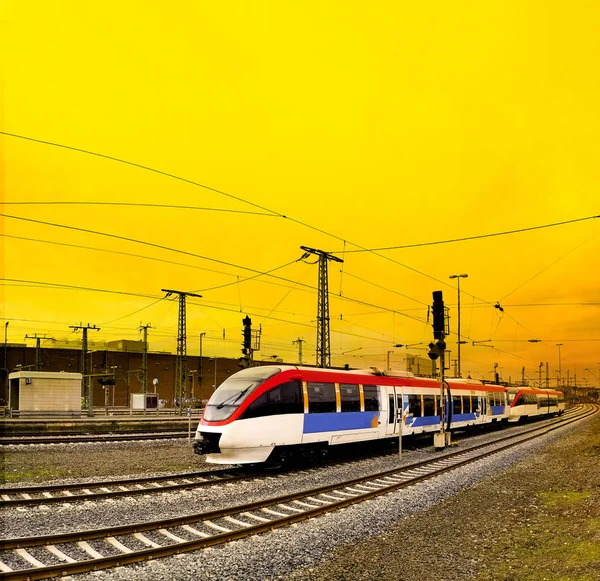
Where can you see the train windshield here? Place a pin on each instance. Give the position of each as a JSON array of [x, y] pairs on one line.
[[234, 390]]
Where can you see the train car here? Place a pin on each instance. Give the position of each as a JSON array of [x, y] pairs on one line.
[[275, 412], [529, 402]]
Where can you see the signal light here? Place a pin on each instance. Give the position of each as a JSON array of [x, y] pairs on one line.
[[438, 315], [247, 334]]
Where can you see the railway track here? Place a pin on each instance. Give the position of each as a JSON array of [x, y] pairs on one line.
[[70, 553], [35, 495], [73, 439], [61, 493]]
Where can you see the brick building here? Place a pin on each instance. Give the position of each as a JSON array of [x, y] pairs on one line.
[[124, 359]]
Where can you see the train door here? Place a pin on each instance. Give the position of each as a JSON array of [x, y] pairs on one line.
[[394, 419], [447, 403]]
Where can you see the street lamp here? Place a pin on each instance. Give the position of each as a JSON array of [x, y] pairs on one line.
[[192, 372], [559, 345], [458, 277]]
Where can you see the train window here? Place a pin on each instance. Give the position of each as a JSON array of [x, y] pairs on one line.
[[350, 397], [457, 404], [429, 405], [283, 399], [321, 398], [467, 404], [371, 401], [414, 405], [291, 398]]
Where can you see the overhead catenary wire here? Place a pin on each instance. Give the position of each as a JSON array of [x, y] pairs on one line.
[[137, 204], [477, 237], [185, 252], [192, 182], [204, 305]]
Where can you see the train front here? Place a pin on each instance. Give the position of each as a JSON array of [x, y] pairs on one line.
[[220, 435]]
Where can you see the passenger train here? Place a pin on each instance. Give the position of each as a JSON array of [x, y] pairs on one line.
[[272, 413]]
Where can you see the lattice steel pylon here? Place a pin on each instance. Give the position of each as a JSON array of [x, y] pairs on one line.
[[87, 394], [181, 359], [323, 333], [144, 369]]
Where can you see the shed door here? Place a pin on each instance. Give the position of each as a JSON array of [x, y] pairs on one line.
[[13, 400]]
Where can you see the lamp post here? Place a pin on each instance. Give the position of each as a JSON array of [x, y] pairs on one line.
[[201, 366], [192, 372], [458, 277], [559, 345]]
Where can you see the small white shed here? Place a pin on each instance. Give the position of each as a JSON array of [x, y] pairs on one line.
[[44, 391]]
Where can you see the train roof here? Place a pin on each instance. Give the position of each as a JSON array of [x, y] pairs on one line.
[[534, 390]]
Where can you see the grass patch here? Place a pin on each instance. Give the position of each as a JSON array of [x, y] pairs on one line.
[[549, 545], [32, 475], [562, 499]]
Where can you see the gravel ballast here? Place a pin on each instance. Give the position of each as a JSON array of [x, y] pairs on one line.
[[458, 526]]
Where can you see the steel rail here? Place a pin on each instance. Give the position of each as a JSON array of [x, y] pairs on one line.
[[13, 496], [333, 497], [27, 440], [207, 478]]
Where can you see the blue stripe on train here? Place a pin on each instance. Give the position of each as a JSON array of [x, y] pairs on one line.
[[424, 421], [334, 421]]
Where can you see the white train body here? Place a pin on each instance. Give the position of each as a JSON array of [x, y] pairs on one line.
[[529, 402], [288, 410]]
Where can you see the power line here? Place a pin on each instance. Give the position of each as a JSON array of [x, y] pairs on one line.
[[550, 265], [192, 182], [112, 158], [127, 239], [138, 165], [473, 237], [130, 254], [137, 204], [162, 247]]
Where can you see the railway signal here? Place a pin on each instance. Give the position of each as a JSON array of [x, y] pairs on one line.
[[436, 350], [438, 315], [246, 360]]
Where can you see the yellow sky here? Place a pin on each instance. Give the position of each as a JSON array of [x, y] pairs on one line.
[[380, 125]]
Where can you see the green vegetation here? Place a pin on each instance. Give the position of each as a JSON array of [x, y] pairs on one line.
[[38, 475], [558, 542]]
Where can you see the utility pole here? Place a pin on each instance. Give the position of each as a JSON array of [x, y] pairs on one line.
[[200, 368], [86, 388], [145, 360], [180, 362], [38, 360], [323, 333], [522, 375], [299, 342], [547, 376], [540, 373], [5, 368], [559, 345], [458, 277], [455, 364]]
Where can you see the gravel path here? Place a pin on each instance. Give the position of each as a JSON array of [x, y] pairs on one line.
[[439, 530]]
